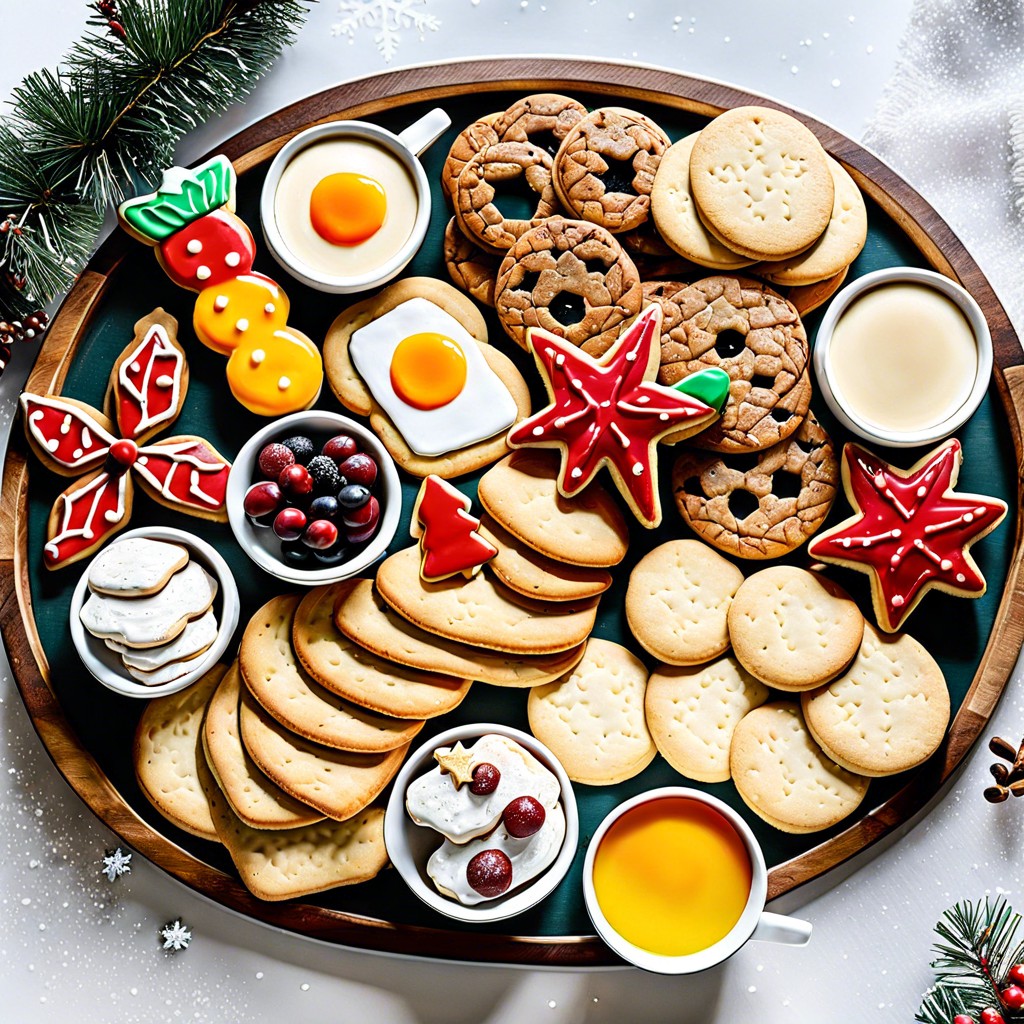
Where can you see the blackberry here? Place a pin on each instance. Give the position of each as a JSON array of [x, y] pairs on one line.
[[324, 471], [301, 447]]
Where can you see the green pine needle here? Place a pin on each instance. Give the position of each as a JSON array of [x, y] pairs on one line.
[[105, 124]]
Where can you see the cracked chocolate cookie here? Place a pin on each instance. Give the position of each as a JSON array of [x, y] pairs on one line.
[[471, 267], [571, 278], [543, 118], [752, 333], [605, 168], [761, 504], [490, 181], [479, 135]]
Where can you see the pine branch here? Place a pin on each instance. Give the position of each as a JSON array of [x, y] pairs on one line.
[[105, 123]]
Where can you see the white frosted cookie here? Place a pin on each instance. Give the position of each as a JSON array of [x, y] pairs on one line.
[[888, 712], [784, 777], [165, 674], [195, 638], [135, 566], [153, 620], [793, 629], [593, 717], [693, 711], [678, 599], [675, 213]]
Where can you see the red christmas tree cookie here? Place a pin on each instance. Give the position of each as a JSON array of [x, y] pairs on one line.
[[147, 391], [911, 531], [449, 541]]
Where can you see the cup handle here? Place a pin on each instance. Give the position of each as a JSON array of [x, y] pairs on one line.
[[422, 133], [790, 931]]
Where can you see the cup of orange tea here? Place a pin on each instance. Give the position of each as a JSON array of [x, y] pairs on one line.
[[675, 882]]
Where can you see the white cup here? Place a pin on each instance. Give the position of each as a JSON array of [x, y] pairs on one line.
[[406, 147], [753, 923]]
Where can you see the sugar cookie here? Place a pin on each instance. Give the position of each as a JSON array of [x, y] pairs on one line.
[[135, 566], [677, 602], [784, 778], [196, 637], [793, 629], [888, 712], [593, 717], [692, 712]]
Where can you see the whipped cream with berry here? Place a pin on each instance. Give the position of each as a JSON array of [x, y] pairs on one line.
[[499, 811]]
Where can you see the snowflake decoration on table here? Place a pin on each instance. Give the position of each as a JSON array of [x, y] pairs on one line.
[[116, 864], [389, 17], [176, 935]]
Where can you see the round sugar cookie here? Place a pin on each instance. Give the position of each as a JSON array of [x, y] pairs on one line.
[[135, 567], [165, 750], [675, 213], [761, 182], [520, 493], [341, 666], [257, 801], [593, 717], [837, 248], [677, 602], [783, 776], [793, 629], [888, 712], [692, 712]]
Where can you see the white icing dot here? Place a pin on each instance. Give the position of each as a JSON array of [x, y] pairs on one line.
[[897, 533], [922, 491], [142, 460], [663, 416], [203, 273], [537, 431], [642, 399], [53, 444], [257, 357], [960, 577], [577, 473], [968, 517], [576, 382], [88, 534], [220, 303], [242, 324], [897, 601], [269, 308], [638, 469], [560, 361], [194, 246], [164, 381], [945, 565], [630, 357], [232, 259], [846, 542], [284, 384], [77, 453], [135, 367], [112, 515]]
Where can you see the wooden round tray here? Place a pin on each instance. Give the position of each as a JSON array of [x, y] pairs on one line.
[[921, 230]]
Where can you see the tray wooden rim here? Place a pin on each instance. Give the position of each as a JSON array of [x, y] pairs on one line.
[[365, 97]]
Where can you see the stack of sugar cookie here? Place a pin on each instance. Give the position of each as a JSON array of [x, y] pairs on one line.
[[153, 605], [777, 682]]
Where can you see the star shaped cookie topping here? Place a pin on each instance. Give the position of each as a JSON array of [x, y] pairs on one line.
[[911, 530], [610, 412], [457, 762]]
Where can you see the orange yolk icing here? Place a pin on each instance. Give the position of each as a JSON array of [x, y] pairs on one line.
[[347, 208], [232, 311], [428, 370]]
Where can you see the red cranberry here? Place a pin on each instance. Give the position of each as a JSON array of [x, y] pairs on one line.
[[523, 817], [366, 515], [489, 873], [289, 523], [340, 447], [1013, 997], [1015, 975], [320, 535], [991, 1016], [360, 534], [295, 481], [273, 458], [485, 779], [359, 469], [262, 499], [120, 456]]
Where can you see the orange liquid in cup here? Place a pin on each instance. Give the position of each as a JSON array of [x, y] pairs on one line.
[[672, 876]]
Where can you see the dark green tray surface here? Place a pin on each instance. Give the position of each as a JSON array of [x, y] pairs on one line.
[[954, 630]]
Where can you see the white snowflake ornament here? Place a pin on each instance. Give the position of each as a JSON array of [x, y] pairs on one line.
[[116, 864], [388, 17], [176, 935]]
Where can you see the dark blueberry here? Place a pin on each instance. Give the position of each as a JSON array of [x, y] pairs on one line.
[[353, 496], [294, 552], [324, 507], [324, 471], [332, 556], [301, 447]]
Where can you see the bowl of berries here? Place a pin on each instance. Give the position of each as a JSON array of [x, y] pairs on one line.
[[314, 498]]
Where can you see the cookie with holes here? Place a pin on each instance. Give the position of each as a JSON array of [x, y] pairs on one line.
[[571, 278], [496, 177], [543, 118], [756, 336], [471, 267], [759, 504], [605, 167], [479, 135]]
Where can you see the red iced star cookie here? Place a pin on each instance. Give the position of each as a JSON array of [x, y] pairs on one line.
[[610, 412], [911, 531]]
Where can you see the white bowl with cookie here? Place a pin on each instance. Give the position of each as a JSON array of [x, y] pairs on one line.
[[497, 843], [260, 538], [154, 611]]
